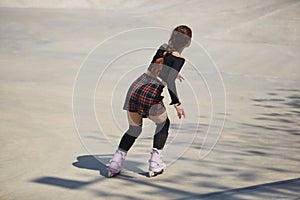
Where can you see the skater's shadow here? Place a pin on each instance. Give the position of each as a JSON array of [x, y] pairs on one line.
[[92, 163], [99, 163]]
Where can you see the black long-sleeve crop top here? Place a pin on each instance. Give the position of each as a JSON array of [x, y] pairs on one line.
[[171, 67]]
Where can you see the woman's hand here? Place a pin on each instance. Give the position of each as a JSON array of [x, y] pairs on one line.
[[180, 77], [180, 111]]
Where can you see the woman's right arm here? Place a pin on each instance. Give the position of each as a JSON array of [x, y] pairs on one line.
[[172, 75]]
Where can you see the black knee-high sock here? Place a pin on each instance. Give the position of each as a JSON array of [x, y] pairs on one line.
[[129, 137], [161, 134]]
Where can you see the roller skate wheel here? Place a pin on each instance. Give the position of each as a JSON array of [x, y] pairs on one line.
[[110, 174], [153, 174]]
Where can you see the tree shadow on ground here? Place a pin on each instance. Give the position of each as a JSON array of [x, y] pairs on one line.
[[281, 107], [287, 189]]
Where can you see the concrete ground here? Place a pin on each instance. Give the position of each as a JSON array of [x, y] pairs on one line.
[[255, 45]]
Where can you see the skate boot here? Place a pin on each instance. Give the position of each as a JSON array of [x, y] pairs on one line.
[[116, 163], [156, 165]]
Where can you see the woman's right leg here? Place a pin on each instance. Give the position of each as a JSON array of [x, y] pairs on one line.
[[156, 164], [162, 130], [135, 122]]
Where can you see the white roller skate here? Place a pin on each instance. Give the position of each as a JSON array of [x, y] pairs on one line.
[[116, 163], [156, 165]]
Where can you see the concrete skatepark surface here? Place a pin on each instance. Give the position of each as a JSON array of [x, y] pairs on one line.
[[255, 45]]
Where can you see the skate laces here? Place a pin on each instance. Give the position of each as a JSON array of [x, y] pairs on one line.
[[156, 164], [121, 153], [118, 158], [156, 156]]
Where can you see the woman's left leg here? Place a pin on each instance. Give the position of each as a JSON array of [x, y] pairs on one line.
[[135, 122]]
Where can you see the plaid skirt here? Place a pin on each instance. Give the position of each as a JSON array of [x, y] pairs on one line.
[[144, 97]]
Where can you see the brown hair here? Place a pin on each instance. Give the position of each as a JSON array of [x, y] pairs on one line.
[[158, 65], [180, 38]]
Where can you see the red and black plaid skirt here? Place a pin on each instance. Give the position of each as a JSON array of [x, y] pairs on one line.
[[144, 97]]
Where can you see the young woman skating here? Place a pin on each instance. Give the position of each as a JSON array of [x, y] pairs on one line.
[[144, 100]]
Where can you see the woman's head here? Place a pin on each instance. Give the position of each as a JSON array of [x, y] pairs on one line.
[[180, 38]]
